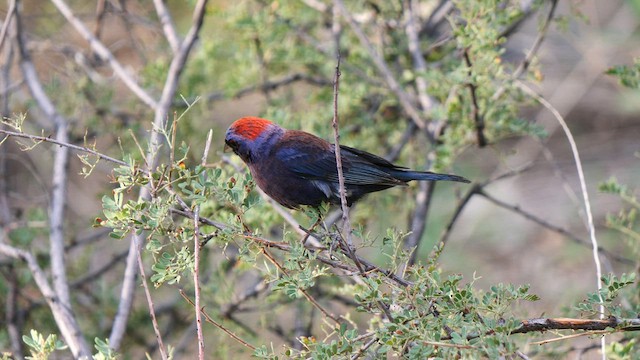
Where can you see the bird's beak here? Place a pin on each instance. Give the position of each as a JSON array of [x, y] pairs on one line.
[[227, 148]]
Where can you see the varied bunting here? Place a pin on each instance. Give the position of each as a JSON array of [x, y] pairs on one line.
[[297, 168]]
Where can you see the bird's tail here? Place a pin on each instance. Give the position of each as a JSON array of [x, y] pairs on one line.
[[427, 175]]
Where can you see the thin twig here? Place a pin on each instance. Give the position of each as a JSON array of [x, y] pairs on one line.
[[583, 186], [304, 292], [152, 312], [196, 255], [346, 224], [7, 21], [161, 111], [65, 320], [59, 183], [527, 215], [364, 348], [48, 139], [419, 220], [478, 119], [219, 326], [168, 27]]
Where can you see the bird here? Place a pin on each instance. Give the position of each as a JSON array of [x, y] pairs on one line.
[[297, 168]]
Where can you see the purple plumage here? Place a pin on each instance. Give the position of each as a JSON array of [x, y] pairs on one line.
[[297, 168]]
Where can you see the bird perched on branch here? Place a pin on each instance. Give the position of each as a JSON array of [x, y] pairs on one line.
[[297, 168]]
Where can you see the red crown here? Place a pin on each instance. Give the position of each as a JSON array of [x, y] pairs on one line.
[[250, 127]]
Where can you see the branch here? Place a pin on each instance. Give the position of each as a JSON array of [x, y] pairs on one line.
[[65, 320], [196, 256], [419, 65], [219, 326], [270, 86], [527, 215], [478, 119], [583, 185], [304, 292], [101, 50], [66, 144], [419, 219], [167, 25], [161, 111], [76, 341], [544, 324]]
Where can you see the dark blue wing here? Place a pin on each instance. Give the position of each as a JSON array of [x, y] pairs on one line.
[[312, 158]]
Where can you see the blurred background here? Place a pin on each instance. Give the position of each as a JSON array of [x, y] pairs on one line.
[[276, 60]]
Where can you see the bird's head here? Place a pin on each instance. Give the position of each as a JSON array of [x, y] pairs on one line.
[[250, 136]]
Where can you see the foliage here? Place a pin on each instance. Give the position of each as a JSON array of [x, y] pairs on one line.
[[374, 305], [42, 348]]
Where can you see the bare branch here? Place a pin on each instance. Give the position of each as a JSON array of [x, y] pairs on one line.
[[478, 119], [419, 219], [82, 149], [583, 186], [12, 318], [101, 50], [219, 326], [65, 320], [546, 324], [7, 21], [59, 186], [196, 255], [419, 64], [161, 112], [167, 25], [527, 215], [152, 313]]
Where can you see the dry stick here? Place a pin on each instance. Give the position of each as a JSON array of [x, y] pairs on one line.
[[585, 195], [529, 216], [196, 255], [346, 223], [99, 22], [152, 312], [522, 355], [219, 326], [538, 325], [161, 110], [303, 291]]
